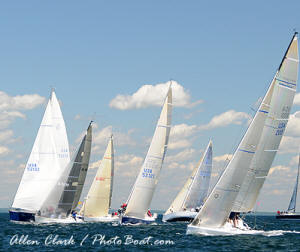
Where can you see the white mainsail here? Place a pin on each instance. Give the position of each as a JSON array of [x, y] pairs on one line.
[[292, 205], [275, 124], [44, 166], [142, 193], [270, 119], [98, 200], [195, 189]]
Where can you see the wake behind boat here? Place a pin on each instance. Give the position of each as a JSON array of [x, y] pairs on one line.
[[240, 183], [141, 195], [191, 197]]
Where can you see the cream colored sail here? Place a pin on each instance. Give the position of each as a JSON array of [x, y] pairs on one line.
[[284, 91], [142, 193], [273, 111], [98, 200]]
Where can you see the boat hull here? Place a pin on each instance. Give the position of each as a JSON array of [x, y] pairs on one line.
[[40, 219], [128, 220], [101, 219], [19, 215], [179, 216], [288, 216]]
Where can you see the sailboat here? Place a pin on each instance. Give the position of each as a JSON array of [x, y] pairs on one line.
[[253, 158], [291, 214], [141, 195], [64, 197], [97, 203], [48, 158], [192, 196]]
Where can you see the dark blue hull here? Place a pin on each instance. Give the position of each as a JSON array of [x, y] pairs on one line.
[[21, 216], [134, 221]]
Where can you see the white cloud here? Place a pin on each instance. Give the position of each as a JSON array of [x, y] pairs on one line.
[[153, 95], [20, 102], [293, 126], [4, 151], [289, 145], [297, 99], [225, 119], [6, 135], [222, 158], [128, 165]]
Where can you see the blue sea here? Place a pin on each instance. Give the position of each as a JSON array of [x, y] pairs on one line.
[[279, 236]]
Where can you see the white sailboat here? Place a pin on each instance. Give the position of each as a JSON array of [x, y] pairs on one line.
[[252, 159], [192, 196], [48, 158], [141, 195], [291, 214], [97, 203], [63, 198]]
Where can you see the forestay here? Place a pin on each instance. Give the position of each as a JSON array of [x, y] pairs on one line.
[[285, 84], [44, 166], [219, 204], [98, 200], [144, 187]]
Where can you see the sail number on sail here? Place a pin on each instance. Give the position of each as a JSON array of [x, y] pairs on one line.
[[32, 167], [280, 129]]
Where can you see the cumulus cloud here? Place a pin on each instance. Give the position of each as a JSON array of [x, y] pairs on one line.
[[6, 135], [225, 119], [293, 126], [4, 151], [222, 158], [20, 102], [128, 165], [297, 99], [279, 168], [289, 145], [153, 95]]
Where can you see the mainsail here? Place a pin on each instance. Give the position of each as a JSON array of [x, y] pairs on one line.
[[269, 121], [292, 205], [284, 90], [65, 195], [195, 189], [98, 200], [142, 193], [44, 165]]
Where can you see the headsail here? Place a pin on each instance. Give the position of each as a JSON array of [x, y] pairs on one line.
[[98, 199], [270, 119], [65, 195], [199, 186], [284, 90], [44, 166], [292, 205], [196, 187], [144, 187]]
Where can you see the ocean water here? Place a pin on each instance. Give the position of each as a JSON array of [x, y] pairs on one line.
[[279, 236]]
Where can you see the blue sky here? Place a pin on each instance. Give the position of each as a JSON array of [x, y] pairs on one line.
[[223, 53]]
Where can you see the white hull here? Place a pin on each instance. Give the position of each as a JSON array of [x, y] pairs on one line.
[[179, 216], [227, 229], [101, 219], [39, 219]]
